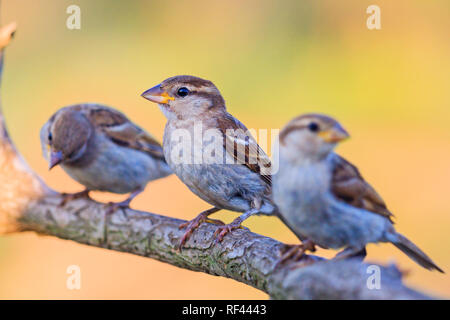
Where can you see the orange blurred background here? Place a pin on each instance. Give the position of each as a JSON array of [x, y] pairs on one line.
[[272, 60]]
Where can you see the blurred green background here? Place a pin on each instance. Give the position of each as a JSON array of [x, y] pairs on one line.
[[272, 60]]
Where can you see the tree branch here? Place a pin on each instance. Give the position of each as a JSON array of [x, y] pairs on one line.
[[27, 204]]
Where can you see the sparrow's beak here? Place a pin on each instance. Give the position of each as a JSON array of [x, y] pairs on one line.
[[334, 134], [56, 158], [158, 95]]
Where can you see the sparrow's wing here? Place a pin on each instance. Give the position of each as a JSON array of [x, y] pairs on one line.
[[348, 185], [241, 145], [121, 130]]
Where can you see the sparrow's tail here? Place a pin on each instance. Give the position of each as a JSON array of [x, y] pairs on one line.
[[412, 251]]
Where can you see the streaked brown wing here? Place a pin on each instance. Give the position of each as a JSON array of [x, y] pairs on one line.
[[243, 147], [122, 131], [348, 185]]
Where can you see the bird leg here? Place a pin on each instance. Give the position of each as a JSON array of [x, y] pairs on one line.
[[195, 223], [113, 206], [295, 251], [67, 197], [222, 231], [351, 252]]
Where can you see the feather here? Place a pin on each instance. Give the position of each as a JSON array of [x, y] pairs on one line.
[[348, 185], [121, 130], [243, 147]]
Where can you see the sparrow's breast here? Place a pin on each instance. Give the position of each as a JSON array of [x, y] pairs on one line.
[[217, 180], [299, 192], [303, 196]]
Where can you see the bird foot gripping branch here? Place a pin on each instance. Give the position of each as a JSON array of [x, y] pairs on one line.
[[295, 252]]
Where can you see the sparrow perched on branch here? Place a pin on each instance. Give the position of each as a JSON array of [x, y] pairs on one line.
[[103, 150], [239, 178], [324, 198]]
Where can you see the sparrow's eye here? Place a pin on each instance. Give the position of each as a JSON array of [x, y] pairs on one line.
[[183, 92], [50, 137], [313, 127]]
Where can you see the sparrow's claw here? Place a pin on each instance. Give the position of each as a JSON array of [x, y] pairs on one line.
[[351, 252], [112, 207], [295, 252], [208, 220], [195, 223], [67, 197], [222, 231]]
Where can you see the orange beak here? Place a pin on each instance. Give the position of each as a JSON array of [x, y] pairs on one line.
[[158, 95], [334, 135], [56, 158]]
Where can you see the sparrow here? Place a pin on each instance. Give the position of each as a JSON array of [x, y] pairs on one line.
[[239, 180], [103, 150], [323, 197]]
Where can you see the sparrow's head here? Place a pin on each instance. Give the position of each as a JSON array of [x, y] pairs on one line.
[[185, 97], [311, 136], [65, 136]]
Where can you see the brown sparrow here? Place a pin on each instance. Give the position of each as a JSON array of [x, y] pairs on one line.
[[235, 180], [103, 150], [324, 198]]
